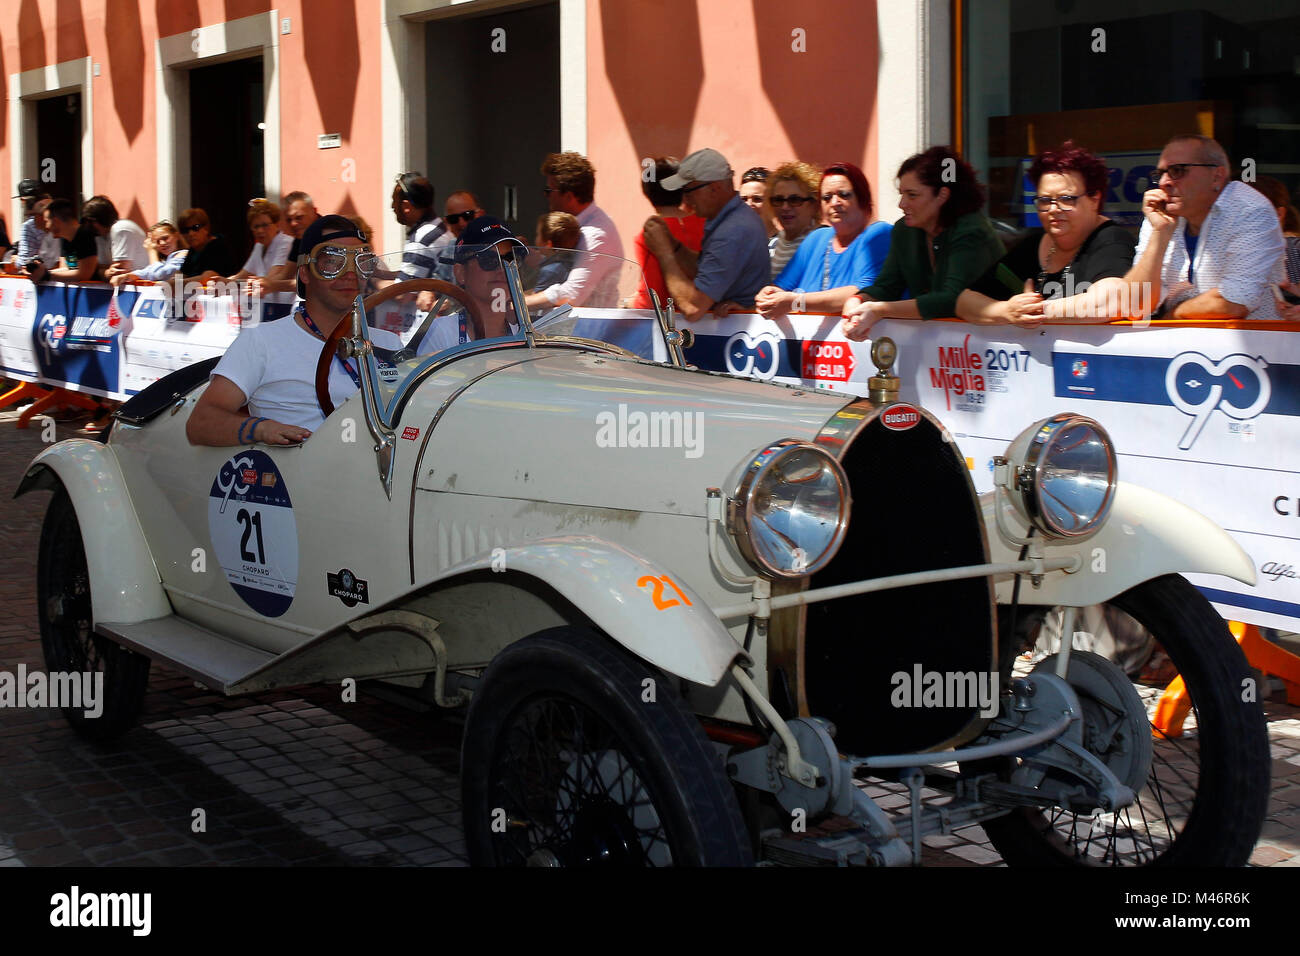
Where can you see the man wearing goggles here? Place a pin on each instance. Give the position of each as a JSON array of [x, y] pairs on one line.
[[271, 368]]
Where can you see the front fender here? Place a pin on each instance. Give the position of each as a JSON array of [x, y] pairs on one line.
[[1146, 535], [624, 595], [124, 583]]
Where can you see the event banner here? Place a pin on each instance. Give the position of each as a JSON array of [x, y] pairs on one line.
[[115, 343], [1208, 416]]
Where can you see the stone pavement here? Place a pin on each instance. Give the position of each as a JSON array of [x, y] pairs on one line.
[[294, 777]]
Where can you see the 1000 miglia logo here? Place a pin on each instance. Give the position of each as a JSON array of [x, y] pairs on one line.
[[960, 376]]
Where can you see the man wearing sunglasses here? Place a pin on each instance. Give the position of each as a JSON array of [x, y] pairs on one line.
[[732, 264], [461, 208], [1210, 245], [476, 264], [271, 367]]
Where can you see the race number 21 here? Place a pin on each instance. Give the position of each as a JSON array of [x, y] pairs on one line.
[[254, 534]]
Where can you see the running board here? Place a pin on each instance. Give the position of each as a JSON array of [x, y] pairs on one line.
[[386, 645]]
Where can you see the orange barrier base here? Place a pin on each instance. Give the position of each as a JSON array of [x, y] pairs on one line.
[[1269, 657], [1275, 661], [25, 390], [54, 399]]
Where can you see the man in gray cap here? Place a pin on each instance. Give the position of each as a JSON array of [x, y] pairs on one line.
[[733, 264]]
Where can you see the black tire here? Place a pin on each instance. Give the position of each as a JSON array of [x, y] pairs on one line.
[[1207, 793], [67, 628], [562, 753]]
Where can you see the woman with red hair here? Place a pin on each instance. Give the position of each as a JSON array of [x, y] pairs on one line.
[[835, 260], [1071, 269]]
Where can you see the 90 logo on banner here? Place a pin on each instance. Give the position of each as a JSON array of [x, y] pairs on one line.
[[1238, 386]]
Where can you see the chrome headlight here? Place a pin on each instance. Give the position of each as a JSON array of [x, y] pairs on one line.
[[790, 511], [1063, 475]]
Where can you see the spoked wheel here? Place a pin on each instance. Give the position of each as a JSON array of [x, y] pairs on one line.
[[577, 754], [1207, 790], [67, 630]]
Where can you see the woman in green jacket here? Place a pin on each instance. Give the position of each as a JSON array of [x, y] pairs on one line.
[[942, 244]]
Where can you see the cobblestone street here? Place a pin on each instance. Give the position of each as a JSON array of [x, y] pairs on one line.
[[294, 777]]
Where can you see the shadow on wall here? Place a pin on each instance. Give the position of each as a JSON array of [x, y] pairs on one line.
[[825, 93], [4, 107], [329, 37], [31, 36], [662, 52], [136, 214], [69, 31], [126, 63], [246, 8], [175, 16]]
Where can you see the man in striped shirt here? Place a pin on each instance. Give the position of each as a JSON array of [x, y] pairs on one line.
[[426, 233]]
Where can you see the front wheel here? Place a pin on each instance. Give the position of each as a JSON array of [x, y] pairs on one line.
[[578, 754], [118, 677], [1207, 790]]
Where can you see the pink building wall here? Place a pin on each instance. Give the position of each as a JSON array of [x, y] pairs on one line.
[[663, 77], [672, 76]]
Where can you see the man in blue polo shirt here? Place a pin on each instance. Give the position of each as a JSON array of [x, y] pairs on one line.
[[733, 263]]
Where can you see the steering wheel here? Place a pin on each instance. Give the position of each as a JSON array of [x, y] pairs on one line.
[[330, 349]]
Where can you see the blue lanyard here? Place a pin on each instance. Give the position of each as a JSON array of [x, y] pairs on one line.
[[356, 379]]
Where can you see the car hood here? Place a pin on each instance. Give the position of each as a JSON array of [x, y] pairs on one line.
[[576, 428]]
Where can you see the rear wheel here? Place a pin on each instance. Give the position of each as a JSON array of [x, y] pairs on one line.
[[1207, 790], [67, 631], [578, 754]]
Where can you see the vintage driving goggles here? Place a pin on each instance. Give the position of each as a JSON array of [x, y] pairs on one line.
[[328, 262]]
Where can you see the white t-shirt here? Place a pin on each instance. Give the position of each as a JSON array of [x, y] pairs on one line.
[[274, 365], [125, 240], [265, 258]]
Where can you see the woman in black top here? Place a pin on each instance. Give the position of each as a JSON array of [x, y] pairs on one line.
[[1070, 271], [209, 256]]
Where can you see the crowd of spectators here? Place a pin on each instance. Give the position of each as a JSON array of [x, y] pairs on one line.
[[796, 238]]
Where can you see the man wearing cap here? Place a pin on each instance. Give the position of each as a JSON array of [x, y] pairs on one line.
[[593, 280], [733, 261], [271, 367], [33, 232], [477, 269]]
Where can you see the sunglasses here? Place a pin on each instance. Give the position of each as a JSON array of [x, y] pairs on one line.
[[330, 261], [258, 201], [465, 217], [1066, 202], [795, 201], [842, 193], [1176, 170], [195, 227]]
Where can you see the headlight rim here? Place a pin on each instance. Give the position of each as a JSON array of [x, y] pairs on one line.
[[740, 508], [1029, 475]]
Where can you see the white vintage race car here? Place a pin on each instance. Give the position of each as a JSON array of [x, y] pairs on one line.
[[691, 615]]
